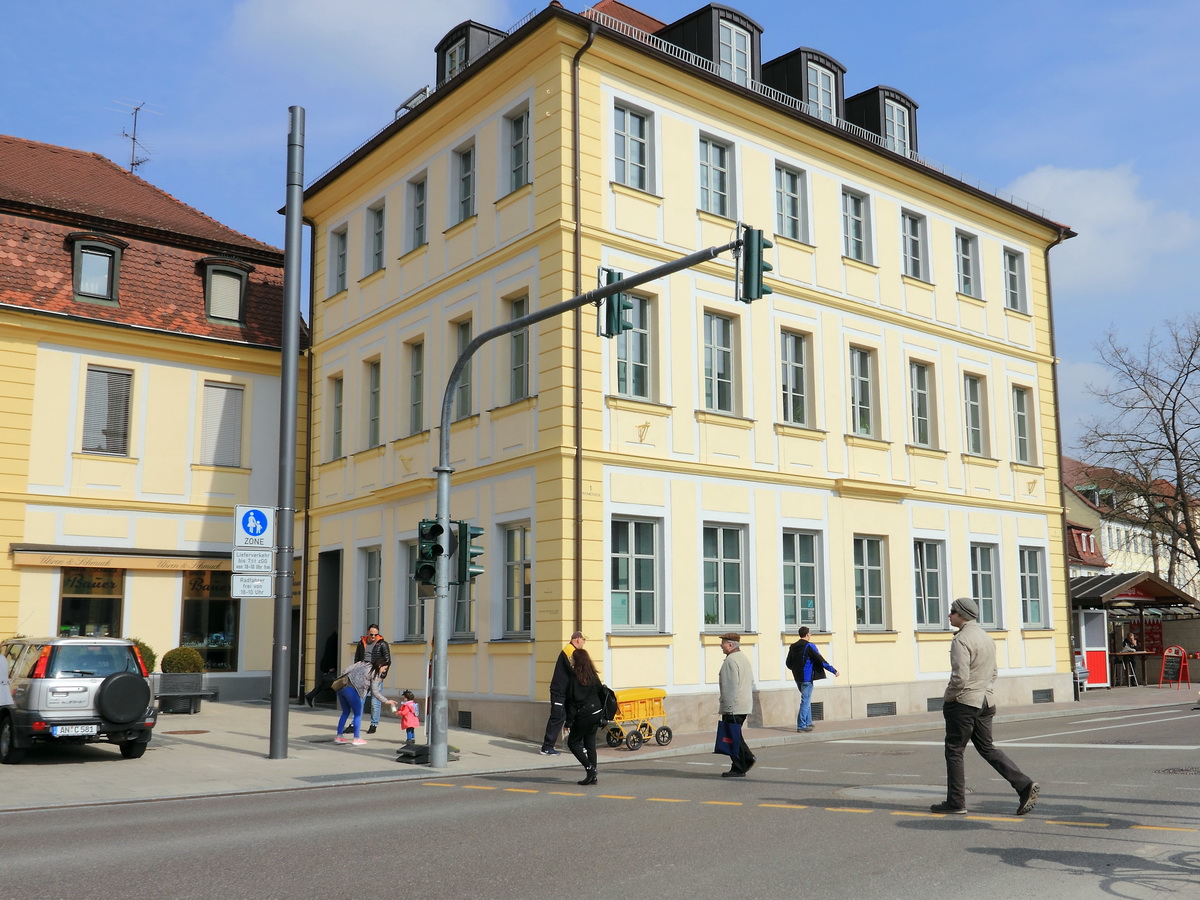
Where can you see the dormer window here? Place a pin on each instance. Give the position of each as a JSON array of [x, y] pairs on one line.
[[895, 127], [456, 58], [822, 92], [97, 264], [734, 53], [225, 288]]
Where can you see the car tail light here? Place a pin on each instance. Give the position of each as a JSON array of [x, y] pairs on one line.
[[40, 726], [39, 668], [141, 662]]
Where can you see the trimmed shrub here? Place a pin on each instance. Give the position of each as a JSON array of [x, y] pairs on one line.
[[183, 659]]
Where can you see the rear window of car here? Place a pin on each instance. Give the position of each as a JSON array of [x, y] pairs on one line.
[[91, 661]]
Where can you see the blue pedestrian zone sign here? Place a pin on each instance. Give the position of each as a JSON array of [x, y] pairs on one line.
[[254, 526]]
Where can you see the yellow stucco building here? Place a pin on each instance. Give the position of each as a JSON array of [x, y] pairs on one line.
[[852, 451]]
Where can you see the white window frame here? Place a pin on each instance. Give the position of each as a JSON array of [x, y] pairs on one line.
[[462, 394], [1034, 611], [735, 48], [716, 176], [633, 352], [337, 424], [108, 400], [1014, 281], [870, 582], [966, 259], [975, 414], [630, 168], [456, 58], [418, 199], [372, 563], [416, 397], [374, 379], [791, 203], [377, 236], [517, 126], [634, 591], [464, 179], [794, 377], [221, 432], [719, 568], [339, 241], [985, 582], [1023, 446], [822, 92], [922, 390], [929, 584], [802, 579], [856, 226], [914, 245], [896, 129], [519, 352], [518, 580], [863, 383], [719, 363], [415, 595], [223, 303]]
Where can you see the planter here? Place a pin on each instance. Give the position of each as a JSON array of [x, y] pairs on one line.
[[181, 692]]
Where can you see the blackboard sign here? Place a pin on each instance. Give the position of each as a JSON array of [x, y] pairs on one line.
[[1174, 667], [1170, 669]]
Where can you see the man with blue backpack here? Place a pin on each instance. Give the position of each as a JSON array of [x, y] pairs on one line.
[[807, 665]]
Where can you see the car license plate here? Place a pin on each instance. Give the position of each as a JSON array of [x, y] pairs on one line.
[[73, 730]]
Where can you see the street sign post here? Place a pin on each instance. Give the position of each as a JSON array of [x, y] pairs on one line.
[[245, 587], [254, 526], [253, 562]]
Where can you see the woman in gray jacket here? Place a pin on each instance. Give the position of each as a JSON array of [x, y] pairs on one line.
[[365, 678]]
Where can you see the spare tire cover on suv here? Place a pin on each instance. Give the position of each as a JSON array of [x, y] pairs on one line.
[[123, 697]]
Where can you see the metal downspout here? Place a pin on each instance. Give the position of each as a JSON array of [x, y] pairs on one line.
[[578, 321], [306, 527]]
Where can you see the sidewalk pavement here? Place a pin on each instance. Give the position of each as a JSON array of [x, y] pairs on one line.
[[225, 748]]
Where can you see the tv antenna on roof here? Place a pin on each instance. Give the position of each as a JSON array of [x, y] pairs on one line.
[[134, 143]]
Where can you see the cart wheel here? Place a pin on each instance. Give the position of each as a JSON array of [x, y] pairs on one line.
[[663, 736], [634, 739], [614, 737]]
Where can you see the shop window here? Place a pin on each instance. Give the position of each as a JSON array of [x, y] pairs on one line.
[[91, 602], [210, 620]]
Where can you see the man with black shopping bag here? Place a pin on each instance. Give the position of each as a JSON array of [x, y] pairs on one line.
[[737, 700]]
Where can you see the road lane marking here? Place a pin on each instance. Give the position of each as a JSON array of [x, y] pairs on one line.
[[568, 793], [1025, 742], [847, 809], [479, 787], [993, 818], [721, 802], [1079, 824], [919, 815], [1159, 828], [667, 800], [783, 806], [1141, 715], [1100, 728], [438, 784], [614, 797], [521, 791]]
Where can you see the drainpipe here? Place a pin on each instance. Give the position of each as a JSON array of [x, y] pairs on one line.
[[306, 525], [578, 322]]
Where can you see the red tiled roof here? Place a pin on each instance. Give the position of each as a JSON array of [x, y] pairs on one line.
[[1083, 547], [629, 15], [76, 183]]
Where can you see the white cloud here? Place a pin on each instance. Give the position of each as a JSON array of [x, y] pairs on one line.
[[1125, 238]]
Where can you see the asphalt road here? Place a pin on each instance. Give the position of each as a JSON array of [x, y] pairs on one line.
[[1119, 815]]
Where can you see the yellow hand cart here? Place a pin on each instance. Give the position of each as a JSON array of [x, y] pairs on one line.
[[636, 707]]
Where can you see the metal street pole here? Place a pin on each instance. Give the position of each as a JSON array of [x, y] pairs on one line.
[[439, 708], [289, 366]]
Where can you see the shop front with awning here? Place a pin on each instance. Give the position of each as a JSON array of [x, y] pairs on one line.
[[1107, 608]]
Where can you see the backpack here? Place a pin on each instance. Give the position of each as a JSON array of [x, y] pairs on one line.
[[608, 703]]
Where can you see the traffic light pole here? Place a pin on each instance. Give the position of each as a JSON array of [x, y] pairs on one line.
[[439, 725]]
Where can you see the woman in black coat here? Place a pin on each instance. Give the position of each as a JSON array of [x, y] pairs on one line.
[[583, 708]]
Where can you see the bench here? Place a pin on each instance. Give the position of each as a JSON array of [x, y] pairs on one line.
[[181, 692]]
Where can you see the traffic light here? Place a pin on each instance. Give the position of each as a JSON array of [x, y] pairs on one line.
[[430, 545], [467, 551], [616, 306], [753, 265]]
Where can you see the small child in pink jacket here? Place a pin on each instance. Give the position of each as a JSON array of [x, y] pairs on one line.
[[409, 718]]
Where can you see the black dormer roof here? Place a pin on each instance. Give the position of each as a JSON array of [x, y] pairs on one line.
[[698, 32], [789, 74], [866, 109], [478, 39]]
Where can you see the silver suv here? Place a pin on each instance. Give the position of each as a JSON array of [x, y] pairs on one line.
[[75, 690]]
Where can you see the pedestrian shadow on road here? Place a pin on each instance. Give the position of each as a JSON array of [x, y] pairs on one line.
[[1119, 874]]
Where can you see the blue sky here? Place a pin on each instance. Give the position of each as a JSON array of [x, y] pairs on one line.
[[1083, 107]]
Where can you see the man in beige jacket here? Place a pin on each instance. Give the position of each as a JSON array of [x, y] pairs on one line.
[[737, 698], [968, 710]]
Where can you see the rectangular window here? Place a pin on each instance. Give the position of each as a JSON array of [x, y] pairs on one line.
[[1033, 588], [91, 602], [895, 127], [518, 582], [718, 363], [862, 392], [225, 289], [375, 219], [869, 606], [221, 430], [464, 170], [463, 596], [793, 355], [789, 204], [633, 352], [912, 242], [456, 58], [372, 578], [801, 578], [974, 413], [714, 177], [336, 396], [854, 226], [518, 150], [733, 53], [415, 595], [921, 403], [1014, 281], [339, 243], [633, 573], [209, 620], [416, 376], [631, 148], [967, 256], [723, 585], [1022, 432], [462, 394], [983, 583], [929, 577], [106, 411], [96, 268], [417, 199], [821, 85], [519, 353], [373, 403]]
